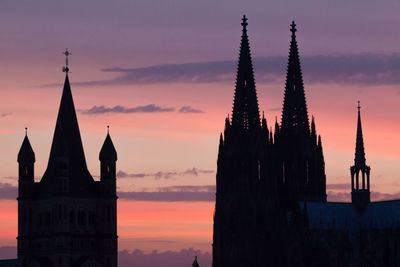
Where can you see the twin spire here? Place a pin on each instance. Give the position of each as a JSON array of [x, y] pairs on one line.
[[294, 114], [245, 114]]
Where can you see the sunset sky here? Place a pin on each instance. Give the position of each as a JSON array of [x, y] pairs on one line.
[[162, 73]]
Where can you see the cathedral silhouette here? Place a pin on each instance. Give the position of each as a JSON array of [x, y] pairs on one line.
[[68, 218], [271, 205]]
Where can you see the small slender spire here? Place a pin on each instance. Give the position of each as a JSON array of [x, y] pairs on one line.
[[195, 263], [313, 131], [26, 131], [294, 113], [359, 159], [271, 140], [108, 129], [276, 126], [245, 114]]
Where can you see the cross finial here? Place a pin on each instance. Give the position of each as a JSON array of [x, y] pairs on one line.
[[66, 53], [244, 21], [358, 106], [293, 27], [26, 131]]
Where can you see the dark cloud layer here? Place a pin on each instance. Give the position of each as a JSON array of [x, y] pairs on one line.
[[6, 114], [166, 175], [151, 108], [187, 193], [175, 196], [189, 109], [181, 258], [137, 257], [342, 186], [8, 191], [365, 69]]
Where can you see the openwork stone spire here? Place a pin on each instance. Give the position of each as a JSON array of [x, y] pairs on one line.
[[294, 114], [245, 114], [360, 172], [359, 159]]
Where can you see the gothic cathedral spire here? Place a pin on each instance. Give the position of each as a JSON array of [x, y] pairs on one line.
[[294, 114], [245, 114]]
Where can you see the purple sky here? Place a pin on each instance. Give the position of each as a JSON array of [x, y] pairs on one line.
[[161, 73]]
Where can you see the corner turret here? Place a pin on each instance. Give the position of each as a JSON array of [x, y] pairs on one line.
[[26, 161], [108, 158]]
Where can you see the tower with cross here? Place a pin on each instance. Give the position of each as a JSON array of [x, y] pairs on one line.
[[360, 180], [67, 218]]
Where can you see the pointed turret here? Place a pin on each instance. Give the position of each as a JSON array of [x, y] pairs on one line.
[[26, 154], [108, 152], [360, 190], [26, 160], [245, 114], [108, 170], [294, 114]]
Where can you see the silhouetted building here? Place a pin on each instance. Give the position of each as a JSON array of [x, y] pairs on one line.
[[68, 218], [195, 263], [301, 172], [240, 173], [271, 205]]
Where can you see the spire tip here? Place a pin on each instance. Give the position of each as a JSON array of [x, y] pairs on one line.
[[293, 27], [244, 21]]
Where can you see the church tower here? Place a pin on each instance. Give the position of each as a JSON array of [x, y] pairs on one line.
[[360, 183], [240, 173], [301, 171], [67, 218]]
